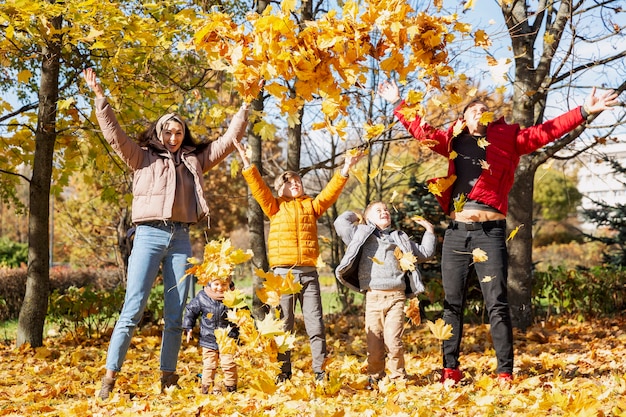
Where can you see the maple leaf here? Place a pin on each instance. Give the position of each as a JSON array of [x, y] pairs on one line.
[[479, 255], [227, 344], [234, 299], [270, 326], [441, 184], [412, 311], [406, 259], [514, 232], [440, 329], [487, 278], [485, 119], [484, 165], [453, 155], [457, 129], [372, 131], [482, 142], [481, 39], [459, 203]]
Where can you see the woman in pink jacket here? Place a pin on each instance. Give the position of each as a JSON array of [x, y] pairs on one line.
[[168, 167], [482, 159]]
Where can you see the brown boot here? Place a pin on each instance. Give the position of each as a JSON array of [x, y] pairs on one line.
[[107, 387], [168, 379]]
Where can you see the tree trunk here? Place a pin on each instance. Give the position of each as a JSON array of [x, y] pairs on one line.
[[34, 308], [256, 218], [520, 278]]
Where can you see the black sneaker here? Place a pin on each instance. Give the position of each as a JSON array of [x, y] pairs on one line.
[[231, 388], [320, 376], [283, 376]]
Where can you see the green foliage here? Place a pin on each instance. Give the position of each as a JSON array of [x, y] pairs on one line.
[[584, 293], [12, 254], [83, 311], [555, 195]]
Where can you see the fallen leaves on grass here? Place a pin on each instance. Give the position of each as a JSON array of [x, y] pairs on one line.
[[573, 369]]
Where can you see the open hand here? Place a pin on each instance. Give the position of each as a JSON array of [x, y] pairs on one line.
[[595, 104], [389, 91], [92, 82]]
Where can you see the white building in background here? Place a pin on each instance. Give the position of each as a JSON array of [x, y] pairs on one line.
[[597, 180]]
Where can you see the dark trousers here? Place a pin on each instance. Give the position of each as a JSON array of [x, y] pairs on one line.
[[456, 262]]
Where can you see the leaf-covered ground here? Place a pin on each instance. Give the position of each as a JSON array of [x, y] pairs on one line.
[[562, 369]]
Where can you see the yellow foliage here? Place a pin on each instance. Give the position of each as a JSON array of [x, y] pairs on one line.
[[218, 262], [327, 55]]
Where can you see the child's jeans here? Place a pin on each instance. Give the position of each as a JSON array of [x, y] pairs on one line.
[[210, 357], [384, 327]]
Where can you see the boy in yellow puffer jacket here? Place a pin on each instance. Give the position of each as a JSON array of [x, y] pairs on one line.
[[293, 246]]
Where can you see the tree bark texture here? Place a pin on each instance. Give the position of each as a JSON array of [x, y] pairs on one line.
[[34, 308]]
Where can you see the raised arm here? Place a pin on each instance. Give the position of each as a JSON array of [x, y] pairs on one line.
[[92, 82]]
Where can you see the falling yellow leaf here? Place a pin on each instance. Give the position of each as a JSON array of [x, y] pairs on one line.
[[459, 125], [485, 119], [482, 142], [270, 326], [484, 165], [394, 194], [372, 131], [227, 344], [320, 262], [441, 184], [479, 255], [459, 203], [376, 261], [412, 311], [453, 155], [417, 218], [487, 278], [514, 232], [469, 4], [481, 39], [235, 299], [440, 329], [406, 259]]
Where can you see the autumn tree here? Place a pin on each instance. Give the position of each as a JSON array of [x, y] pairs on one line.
[[142, 55], [549, 51]]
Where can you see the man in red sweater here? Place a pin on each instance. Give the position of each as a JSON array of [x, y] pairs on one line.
[[482, 159]]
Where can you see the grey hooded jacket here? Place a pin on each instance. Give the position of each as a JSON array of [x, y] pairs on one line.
[[354, 236]]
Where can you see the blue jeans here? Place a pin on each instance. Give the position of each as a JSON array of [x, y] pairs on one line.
[[311, 302], [155, 243], [456, 263]]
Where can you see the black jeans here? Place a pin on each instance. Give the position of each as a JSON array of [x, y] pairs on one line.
[[456, 262]]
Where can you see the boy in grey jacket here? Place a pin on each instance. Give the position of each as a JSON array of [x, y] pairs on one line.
[[371, 265]]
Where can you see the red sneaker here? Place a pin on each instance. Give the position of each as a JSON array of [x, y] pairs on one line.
[[505, 377], [451, 373]]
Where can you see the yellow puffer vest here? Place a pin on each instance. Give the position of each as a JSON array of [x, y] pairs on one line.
[[292, 239]]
